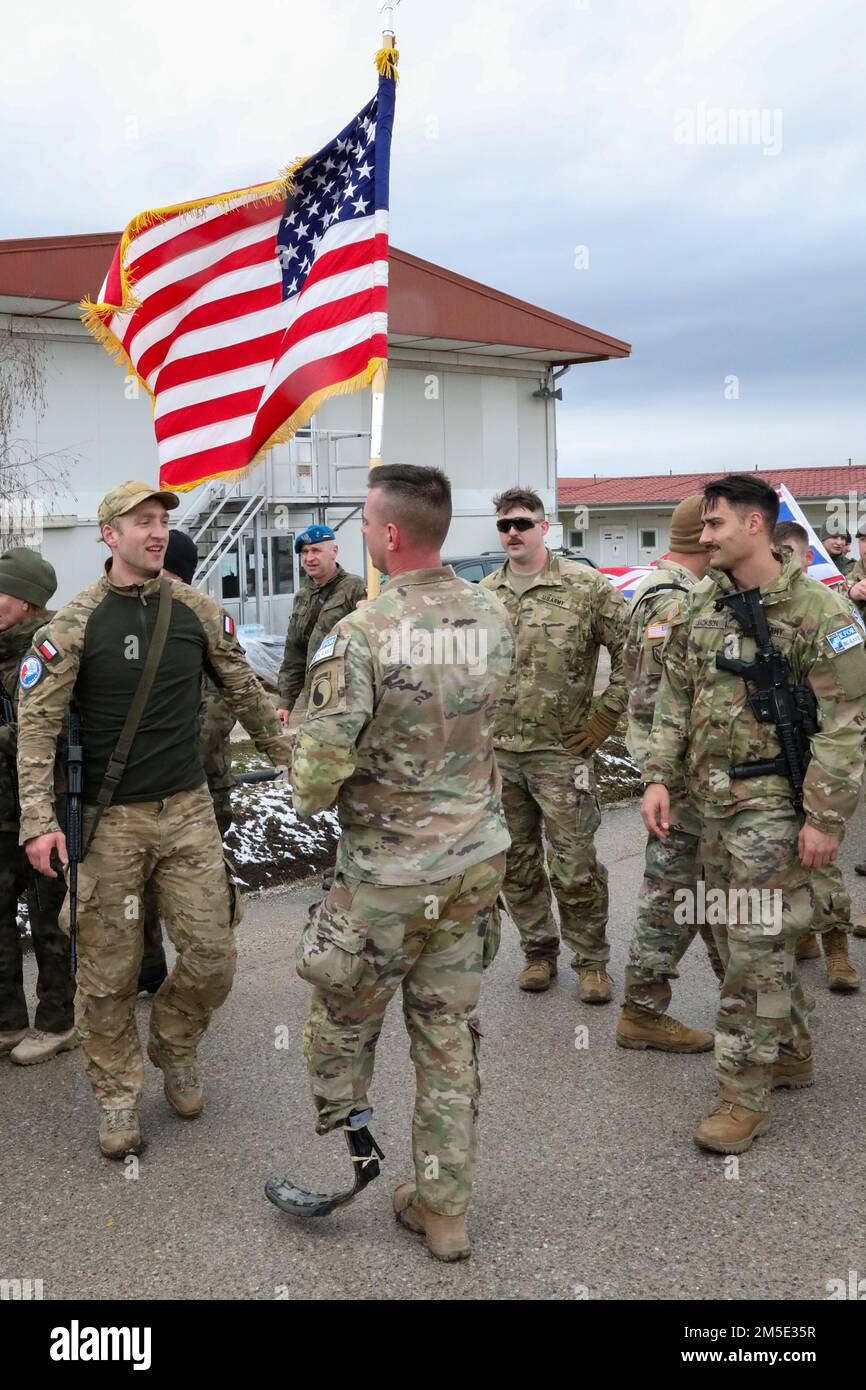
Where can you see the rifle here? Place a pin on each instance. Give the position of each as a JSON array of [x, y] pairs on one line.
[[258, 774], [7, 713], [792, 708], [74, 826]]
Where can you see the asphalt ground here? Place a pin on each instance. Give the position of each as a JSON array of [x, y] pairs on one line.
[[588, 1183]]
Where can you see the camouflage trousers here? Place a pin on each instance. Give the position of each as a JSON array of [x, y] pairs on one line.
[[659, 942], [176, 843], [55, 988], [362, 942], [538, 790], [832, 903], [153, 963], [761, 1016]]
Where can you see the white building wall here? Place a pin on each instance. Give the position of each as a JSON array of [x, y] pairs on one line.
[[475, 417]]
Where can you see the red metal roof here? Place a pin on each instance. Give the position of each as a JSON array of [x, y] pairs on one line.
[[426, 301], [804, 483]]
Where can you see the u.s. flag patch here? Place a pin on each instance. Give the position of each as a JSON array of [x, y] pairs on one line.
[[228, 626], [47, 650]]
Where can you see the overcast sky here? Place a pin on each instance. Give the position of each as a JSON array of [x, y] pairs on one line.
[[528, 137]]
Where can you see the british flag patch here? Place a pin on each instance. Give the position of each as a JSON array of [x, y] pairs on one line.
[[47, 650], [228, 626]]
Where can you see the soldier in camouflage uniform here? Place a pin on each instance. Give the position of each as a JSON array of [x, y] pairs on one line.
[[837, 543], [659, 942], [161, 819], [562, 613], [217, 722], [398, 732], [26, 584], [855, 584], [758, 852], [832, 920], [330, 595]]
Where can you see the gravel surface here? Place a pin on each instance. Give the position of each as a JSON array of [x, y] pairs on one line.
[[589, 1184]]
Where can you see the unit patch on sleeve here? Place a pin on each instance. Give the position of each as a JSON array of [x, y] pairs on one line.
[[658, 630], [228, 626], [48, 650], [31, 672], [845, 637]]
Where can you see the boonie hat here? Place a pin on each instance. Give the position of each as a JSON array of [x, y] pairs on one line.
[[312, 536], [128, 495], [25, 575]]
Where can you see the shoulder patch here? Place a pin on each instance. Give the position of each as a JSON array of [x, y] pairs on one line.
[[325, 650], [658, 630], [228, 626], [47, 650], [31, 672], [845, 638]]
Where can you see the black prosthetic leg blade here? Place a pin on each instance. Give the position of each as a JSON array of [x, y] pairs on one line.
[[296, 1202]]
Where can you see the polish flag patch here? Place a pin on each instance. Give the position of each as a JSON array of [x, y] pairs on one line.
[[47, 650], [228, 626]]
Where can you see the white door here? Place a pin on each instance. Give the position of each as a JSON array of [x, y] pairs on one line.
[[613, 547]]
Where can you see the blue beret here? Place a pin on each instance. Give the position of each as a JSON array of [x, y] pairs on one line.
[[312, 536]]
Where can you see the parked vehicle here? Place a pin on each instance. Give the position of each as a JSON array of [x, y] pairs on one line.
[[475, 567]]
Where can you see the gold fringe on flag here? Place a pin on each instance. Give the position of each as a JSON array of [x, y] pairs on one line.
[[95, 316], [290, 427], [386, 63]]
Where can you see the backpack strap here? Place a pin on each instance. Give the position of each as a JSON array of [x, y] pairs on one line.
[[122, 749]]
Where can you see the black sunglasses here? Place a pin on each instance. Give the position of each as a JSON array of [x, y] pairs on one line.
[[520, 523]]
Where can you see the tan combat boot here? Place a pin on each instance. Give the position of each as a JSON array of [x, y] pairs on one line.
[[841, 974], [39, 1046], [793, 1073], [12, 1038], [447, 1238], [594, 985], [807, 947], [640, 1029], [181, 1084], [731, 1127], [860, 925], [119, 1132], [537, 975]]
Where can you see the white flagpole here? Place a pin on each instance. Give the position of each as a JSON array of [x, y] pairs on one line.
[[377, 406]]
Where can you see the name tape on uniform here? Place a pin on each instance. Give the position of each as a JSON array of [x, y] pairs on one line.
[[845, 637], [325, 650]]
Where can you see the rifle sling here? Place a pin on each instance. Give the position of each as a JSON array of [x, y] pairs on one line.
[[122, 749]]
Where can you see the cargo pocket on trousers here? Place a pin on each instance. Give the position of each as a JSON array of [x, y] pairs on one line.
[[85, 899], [330, 953], [236, 902], [492, 935], [476, 1035]]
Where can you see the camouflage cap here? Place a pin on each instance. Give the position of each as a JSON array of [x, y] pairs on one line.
[[128, 495], [25, 575]]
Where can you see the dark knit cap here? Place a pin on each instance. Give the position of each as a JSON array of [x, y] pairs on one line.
[[25, 575], [181, 556]]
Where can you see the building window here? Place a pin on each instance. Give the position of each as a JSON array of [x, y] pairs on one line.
[[229, 572], [577, 540], [648, 540], [283, 563]]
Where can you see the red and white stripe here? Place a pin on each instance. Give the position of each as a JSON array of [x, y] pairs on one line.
[[226, 359]]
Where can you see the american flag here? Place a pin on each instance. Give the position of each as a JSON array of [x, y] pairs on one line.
[[241, 313]]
